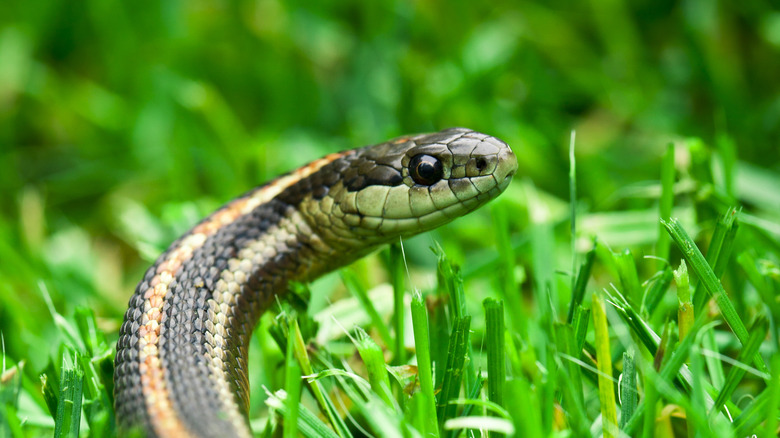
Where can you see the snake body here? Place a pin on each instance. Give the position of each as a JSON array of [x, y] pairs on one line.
[[181, 361]]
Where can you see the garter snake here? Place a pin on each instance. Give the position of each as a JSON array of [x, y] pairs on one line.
[[181, 367]]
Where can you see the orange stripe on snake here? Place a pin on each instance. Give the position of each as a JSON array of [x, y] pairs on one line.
[[165, 422]]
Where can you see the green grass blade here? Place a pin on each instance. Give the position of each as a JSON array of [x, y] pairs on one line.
[[656, 290], [448, 275], [570, 376], [628, 390], [719, 250], [68, 419], [670, 365], [573, 216], [606, 387], [714, 366], [494, 343], [629, 278], [702, 270], [449, 282], [453, 374], [325, 403], [292, 385], [666, 203], [309, 425], [685, 308], [424, 371], [580, 285], [737, 372], [580, 324], [773, 403], [375, 366], [760, 282], [746, 422], [647, 410]]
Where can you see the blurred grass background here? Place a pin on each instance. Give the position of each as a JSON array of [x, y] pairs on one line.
[[122, 123]]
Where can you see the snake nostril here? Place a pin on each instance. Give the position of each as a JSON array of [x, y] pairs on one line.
[[481, 164]]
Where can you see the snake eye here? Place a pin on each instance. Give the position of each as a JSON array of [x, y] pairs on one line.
[[425, 169]]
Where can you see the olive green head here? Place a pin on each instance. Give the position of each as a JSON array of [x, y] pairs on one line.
[[407, 185]]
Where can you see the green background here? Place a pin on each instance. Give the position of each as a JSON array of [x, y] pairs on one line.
[[122, 123]]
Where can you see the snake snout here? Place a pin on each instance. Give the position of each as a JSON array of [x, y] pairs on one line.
[[507, 165]]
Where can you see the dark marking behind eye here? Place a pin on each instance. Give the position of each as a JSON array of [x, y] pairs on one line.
[[320, 191], [379, 175]]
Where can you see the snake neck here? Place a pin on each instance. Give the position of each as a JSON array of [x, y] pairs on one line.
[[216, 292]]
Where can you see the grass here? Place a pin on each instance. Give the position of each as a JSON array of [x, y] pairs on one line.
[[122, 127], [647, 363]]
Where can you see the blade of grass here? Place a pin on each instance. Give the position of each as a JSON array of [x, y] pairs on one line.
[[449, 282], [669, 368], [697, 396], [422, 348], [606, 388], [472, 400], [292, 385], [375, 366], [719, 250], [580, 285], [68, 419], [302, 356], [706, 275], [494, 344], [628, 392], [573, 216], [580, 324], [627, 273], [760, 282], [684, 305], [770, 425], [735, 375], [448, 274], [656, 290], [660, 357], [453, 374], [746, 422], [50, 387], [666, 203], [395, 267], [714, 367], [638, 326], [570, 377], [309, 425]]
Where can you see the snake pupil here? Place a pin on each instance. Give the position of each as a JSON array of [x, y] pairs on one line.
[[425, 169]]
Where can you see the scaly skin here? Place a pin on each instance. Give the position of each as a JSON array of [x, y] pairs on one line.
[[181, 356]]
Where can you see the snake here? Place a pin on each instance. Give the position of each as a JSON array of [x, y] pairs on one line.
[[181, 355]]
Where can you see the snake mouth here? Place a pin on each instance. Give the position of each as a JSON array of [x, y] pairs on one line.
[[386, 227]]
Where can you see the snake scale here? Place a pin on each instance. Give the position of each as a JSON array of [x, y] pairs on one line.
[[181, 360]]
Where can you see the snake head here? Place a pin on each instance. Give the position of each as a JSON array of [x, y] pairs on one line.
[[406, 186]]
